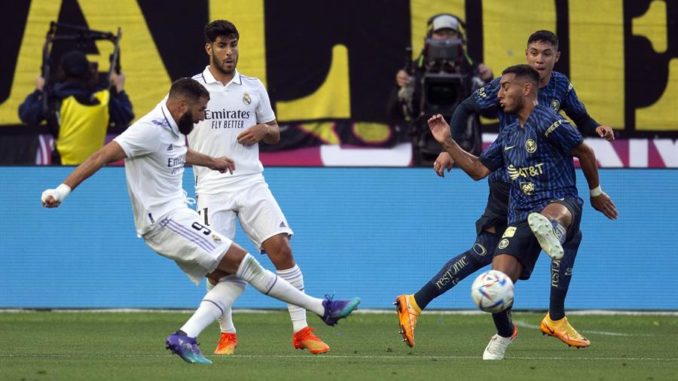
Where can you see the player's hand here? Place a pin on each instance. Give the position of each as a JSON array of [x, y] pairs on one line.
[[603, 203], [52, 198], [253, 135], [443, 162], [402, 78], [118, 80], [40, 83], [223, 164], [440, 130], [605, 132], [484, 72]]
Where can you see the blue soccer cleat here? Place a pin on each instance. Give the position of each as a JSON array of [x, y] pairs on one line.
[[338, 309], [186, 348]]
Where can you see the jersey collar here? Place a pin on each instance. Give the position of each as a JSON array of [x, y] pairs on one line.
[[209, 78], [169, 119]]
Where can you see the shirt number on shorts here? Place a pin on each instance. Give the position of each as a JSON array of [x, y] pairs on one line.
[[201, 228]]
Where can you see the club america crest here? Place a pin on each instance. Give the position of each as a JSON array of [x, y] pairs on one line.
[[555, 105]]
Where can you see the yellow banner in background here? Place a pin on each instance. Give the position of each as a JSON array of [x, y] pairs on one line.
[[596, 38]]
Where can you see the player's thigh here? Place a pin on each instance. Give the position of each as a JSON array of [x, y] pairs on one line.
[[260, 215], [182, 237], [218, 212], [519, 242]]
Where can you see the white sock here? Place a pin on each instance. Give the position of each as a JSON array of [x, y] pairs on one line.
[[231, 289], [210, 309], [268, 283], [297, 314]]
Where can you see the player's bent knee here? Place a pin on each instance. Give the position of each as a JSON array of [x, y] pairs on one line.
[[483, 248], [231, 260]]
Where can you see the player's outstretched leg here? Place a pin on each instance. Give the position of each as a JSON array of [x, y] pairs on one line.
[[337, 309], [544, 232], [408, 312], [186, 347], [409, 307], [330, 310]]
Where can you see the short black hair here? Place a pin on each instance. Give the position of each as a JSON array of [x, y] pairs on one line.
[[75, 65], [218, 28], [188, 88], [544, 36], [523, 71]]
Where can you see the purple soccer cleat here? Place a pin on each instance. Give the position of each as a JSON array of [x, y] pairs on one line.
[[338, 309], [186, 348]]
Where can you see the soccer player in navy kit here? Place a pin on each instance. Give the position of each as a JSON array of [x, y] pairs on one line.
[[536, 151], [557, 92]]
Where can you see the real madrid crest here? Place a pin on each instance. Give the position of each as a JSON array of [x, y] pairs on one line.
[[503, 244], [531, 146], [246, 99]]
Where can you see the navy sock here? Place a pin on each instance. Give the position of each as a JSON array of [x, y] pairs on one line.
[[560, 230], [458, 268], [503, 322], [561, 274]]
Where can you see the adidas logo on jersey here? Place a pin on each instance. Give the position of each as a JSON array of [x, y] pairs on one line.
[[282, 224], [171, 147]]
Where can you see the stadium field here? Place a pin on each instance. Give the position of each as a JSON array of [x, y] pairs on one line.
[[76, 345]]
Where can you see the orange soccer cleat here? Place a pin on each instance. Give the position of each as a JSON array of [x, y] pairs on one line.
[[562, 330], [407, 311], [306, 339], [227, 343]]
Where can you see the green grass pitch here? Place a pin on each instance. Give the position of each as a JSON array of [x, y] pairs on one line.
[[130, 346]]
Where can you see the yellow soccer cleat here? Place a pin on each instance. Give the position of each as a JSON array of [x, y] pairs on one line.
[[562, 330], [306, 339], [227, 343], [407, 311]]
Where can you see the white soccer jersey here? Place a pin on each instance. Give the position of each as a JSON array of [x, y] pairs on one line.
[[241, 104], [155, 154]]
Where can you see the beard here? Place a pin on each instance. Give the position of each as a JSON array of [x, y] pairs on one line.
[[185, 124], [220, 66]]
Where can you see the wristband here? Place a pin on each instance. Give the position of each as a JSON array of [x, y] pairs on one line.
[[597, 191], [63, 190]]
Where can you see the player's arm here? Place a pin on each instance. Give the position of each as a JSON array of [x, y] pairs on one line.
[[599, 199], [576, 110], [269, 132], [471, 164], [31, 110], [52, 198], [221, 164], [483, 100]]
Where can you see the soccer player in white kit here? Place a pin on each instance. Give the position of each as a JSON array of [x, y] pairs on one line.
[[155, 152], [238, 117]]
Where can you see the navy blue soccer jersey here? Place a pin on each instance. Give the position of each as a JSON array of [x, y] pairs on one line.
[[536, 159], [558, 94]]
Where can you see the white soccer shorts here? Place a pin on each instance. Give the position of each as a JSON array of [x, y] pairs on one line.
[[253, 203], [181, 236]]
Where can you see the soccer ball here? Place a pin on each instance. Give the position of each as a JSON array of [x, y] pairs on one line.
[[492, 291]]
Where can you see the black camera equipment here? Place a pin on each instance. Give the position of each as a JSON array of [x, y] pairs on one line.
[[78, 36], [446, 81]]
